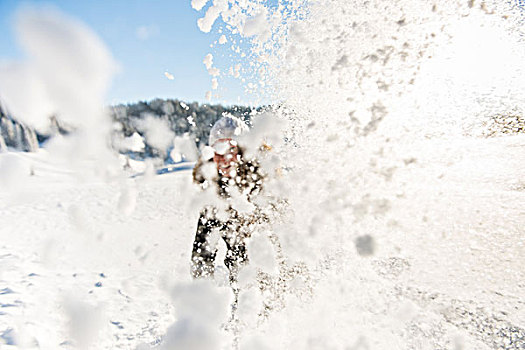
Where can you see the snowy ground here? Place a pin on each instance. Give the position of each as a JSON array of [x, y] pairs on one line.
[[66, 243], [402, 233], [74, 266]]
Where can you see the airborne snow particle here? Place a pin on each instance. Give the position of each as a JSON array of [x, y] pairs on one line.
[[211, 15], [133, 143], [200, 307], [198, 4], [214, 71], [169, 75], [257, 25], [222, 39], [365, 245], [261, 253], [208, 61], [184, 147], [156, 131], [85, 321], [68, 66]]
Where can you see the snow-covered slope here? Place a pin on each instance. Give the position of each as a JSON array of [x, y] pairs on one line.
[[97, 264], [69, 251]]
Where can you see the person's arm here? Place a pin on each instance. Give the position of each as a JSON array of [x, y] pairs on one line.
[[198, 177]]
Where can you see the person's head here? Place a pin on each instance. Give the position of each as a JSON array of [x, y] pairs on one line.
[[227, 156], [223, 139]]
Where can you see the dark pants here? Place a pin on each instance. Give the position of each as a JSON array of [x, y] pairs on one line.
[[233, 232]]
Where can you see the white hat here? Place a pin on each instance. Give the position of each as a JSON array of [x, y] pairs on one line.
[[228, 127]]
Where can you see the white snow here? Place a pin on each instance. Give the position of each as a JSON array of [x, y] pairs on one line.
[[207, 153], [267, 129], [214, 71], [13, 172], [184, 146], [205, 23], [208, 61], [134, 143], [156, 131], [257, 25], [67, 71], [84, 322], [200, 306], [198, 4], [400, 230], [261, 253], [68, 233], [169, 76], [127, 199], [65, 245]]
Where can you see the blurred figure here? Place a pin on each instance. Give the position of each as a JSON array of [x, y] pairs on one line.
[[234, 178]]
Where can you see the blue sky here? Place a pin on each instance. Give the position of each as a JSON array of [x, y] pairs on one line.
[[147, 38]]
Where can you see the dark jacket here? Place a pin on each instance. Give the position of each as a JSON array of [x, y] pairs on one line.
[[237, 227]]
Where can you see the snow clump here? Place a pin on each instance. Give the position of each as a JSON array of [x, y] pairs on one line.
[[67, 72], [200, 308], [157, 131]]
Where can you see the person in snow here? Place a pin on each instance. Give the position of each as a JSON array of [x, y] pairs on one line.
[[226, 171]]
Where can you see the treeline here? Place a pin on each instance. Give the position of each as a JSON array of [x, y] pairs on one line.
[[16, 135], [191, 119], [134, 122]]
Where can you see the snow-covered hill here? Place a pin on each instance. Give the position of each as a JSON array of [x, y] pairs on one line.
[[106, 264]]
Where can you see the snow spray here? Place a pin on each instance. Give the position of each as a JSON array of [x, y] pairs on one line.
[[387, 169]]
